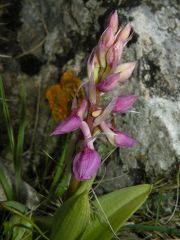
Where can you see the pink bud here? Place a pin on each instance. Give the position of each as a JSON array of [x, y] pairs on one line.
[[109, 83], [86, 164], [123, 140], [124, 66], [124, 103], [124, 75], [107, 38], [117, 138], [113, 21], [124, 33], [114, 54]]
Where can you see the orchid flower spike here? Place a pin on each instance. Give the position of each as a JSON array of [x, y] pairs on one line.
[[105, 72]]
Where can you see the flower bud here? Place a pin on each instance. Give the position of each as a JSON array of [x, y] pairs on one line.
[[124, 140], [113, 21], [86, 164], [124, 33], [124, 66], [109, 83], [114, 54], [124, 103], [126, 73], [107, 38], [118, 138]]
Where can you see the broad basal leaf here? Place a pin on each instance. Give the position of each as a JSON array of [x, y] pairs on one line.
[[71, 218], [112, 211]]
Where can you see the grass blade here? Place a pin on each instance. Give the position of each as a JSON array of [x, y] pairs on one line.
[[60, 165], [20, 141], [6, 186], [7, 117]]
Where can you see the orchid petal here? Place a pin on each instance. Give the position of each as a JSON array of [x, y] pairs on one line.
[[70, 124], [116, 137], [123, 140], [124, 103]]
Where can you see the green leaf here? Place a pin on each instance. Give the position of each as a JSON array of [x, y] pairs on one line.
[[7, 187], [13, 205], [113, 210], [18, 209], [20, 140], [60, 166], [71, 218], [21, 229], [6, 115]]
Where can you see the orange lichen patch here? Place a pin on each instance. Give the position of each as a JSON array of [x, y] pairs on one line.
[[70, 84], [57, 101], [60, 95]]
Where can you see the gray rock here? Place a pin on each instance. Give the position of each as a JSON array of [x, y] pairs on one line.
[[156, 82], [28, 194]]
